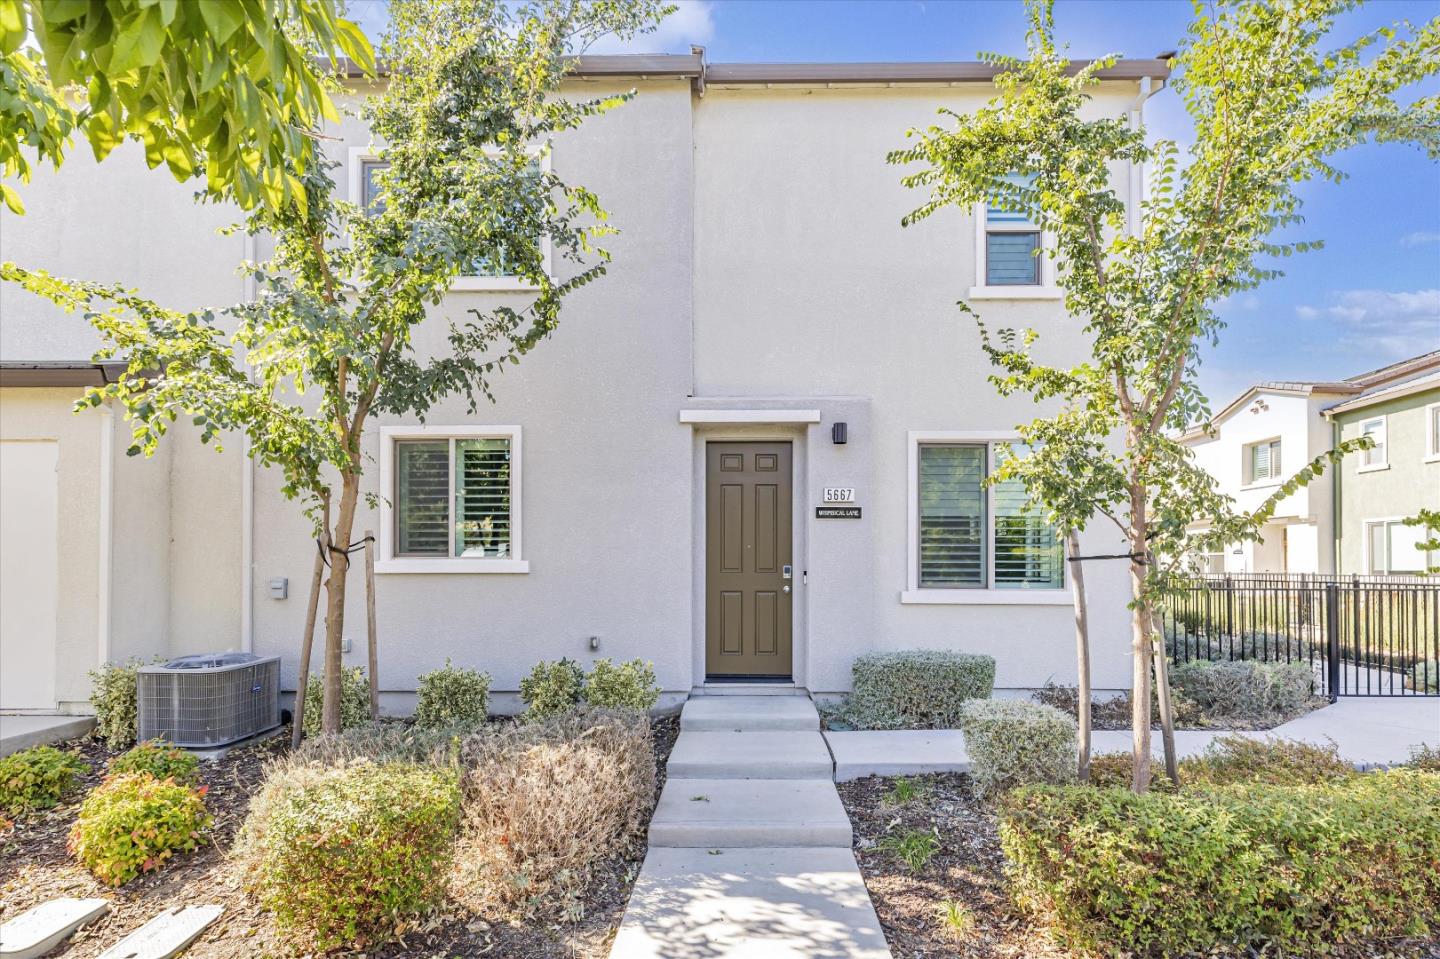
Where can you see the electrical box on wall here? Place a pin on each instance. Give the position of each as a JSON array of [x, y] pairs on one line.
[[279, 587]]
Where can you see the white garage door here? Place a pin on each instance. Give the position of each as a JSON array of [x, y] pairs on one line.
[[29, 573]]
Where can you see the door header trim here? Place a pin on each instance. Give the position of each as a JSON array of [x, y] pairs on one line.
[[749, 416]]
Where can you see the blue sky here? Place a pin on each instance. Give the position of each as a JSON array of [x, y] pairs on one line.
[[1370, 297]]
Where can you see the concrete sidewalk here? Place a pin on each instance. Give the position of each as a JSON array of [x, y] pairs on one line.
[[22, 732], [1369, 732], [750, 845]]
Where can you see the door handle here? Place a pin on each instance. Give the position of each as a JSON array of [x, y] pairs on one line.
[[785, 589]]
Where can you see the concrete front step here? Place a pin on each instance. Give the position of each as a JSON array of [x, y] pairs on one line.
[[787, 903], [788, 754], [749, 714], [712, 813]]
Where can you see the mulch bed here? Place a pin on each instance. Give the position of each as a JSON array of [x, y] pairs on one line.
[[968, 868], [35, 867]]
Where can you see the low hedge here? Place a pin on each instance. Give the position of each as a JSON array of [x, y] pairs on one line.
[[630, 685], [160, 759], [552, 688], [1234, 760], [1249, 690], [134, 823], [916, 689], [452, 696], [346, 855], [354, 700], [1012, 742], [1297, 869], [38, 778], [1424, 676]]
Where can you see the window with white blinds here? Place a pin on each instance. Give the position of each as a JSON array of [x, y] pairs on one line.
[[454, 496], [1264, 461], [1012, 244], [974, 537]]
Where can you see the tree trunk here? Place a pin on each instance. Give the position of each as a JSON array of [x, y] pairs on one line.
[[335, 599], [1140, 641], [307, 642], [1082, 650], [1162, 694]]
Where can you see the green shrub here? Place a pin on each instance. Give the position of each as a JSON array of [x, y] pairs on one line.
[[1248, 690], [159, 759], [134, 823], [1012, 742], [1234, 760], [1424, 676], [1290, 869], [627, 686], [38, 778], [916, 689], [1425, 758], [113, 695], [1117, 771], [344, 855], [384, 742], [552, 688], [1261, 647], [354, 700], [453, 696], [1114, 713], [547, 801]]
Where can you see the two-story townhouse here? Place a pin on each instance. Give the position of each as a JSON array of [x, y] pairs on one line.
[[754, 450], [1267, 433], [1378, 488]]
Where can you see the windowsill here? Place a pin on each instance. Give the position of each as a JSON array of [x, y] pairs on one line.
[[1433, 458], [1015, 293], [492, 284], [1375, 468], [1263, 484], [986, 597], [456, 565]]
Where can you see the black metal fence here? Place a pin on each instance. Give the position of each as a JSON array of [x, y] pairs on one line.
[[1362, 635]]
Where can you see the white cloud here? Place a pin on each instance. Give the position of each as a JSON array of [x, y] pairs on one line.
[[1393, 323], [1419, 238], [692, 22]]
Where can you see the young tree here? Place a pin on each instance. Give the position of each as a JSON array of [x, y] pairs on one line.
[[474, 87], [1272, 105], [223, 89]]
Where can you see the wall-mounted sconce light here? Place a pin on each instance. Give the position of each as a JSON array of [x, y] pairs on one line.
[[838, 434]]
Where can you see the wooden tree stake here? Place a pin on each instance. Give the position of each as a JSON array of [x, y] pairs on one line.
[[307, 642], [370, 624]]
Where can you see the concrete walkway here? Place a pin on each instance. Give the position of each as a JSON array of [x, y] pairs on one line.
[[749, 845], [1368, 732], [22, 732]]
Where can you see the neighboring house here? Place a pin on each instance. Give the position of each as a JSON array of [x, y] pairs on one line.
[[663, 474], [1399, 476], [1266, 434]]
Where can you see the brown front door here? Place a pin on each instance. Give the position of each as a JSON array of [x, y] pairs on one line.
[[748, 576]]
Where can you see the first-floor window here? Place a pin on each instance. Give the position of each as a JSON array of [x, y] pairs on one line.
[[973, 536], [1394, 547], [453, 497]]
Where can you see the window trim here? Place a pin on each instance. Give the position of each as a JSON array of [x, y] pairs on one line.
[[988, 595], [1432, 452], [359, 156], [1384, 420], [1046, 289], [388, 562]]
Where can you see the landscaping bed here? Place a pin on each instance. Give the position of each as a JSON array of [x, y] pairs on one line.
[[35, 866], [965, 866]]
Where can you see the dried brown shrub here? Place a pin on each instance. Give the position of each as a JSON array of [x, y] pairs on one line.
[[544, 803]]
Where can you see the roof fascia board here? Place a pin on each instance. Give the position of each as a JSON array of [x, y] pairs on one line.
[[1383, 396]]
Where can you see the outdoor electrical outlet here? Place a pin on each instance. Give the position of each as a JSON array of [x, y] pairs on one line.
[[594, 642], [345, 645]]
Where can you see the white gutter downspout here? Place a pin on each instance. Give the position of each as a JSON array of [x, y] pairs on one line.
[[247, 504], [107, 530], [1136, 115]]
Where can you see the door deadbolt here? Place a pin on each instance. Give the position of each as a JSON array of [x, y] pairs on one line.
[[786, 572]]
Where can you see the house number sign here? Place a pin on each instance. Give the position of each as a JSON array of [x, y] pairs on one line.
[[839, 494]]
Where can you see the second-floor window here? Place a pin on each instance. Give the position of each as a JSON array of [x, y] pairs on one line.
[[372, 199], [1432, 432], [1263, 461], [1012, 247], [1377, 455]]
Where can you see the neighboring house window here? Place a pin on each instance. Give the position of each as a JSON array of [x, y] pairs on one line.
[[1377, 455], [1264, 461], [1393, 547], [1432, 432], [371, 199], [1012, 245], [452, 499], [973, 537]]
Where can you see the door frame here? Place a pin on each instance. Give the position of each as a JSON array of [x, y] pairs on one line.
[[795, 435]]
